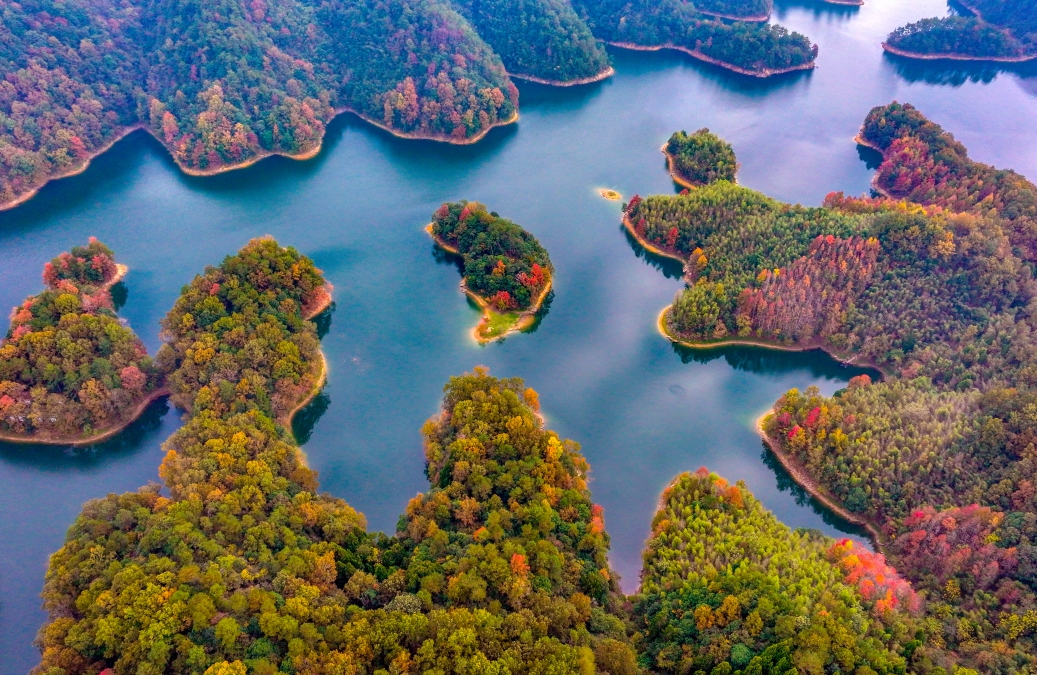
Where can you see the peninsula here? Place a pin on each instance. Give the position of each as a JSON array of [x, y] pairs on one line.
[[996, 32], [70, 372], [506, 270], [913, 458]]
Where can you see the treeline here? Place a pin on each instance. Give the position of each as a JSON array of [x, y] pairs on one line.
[[503, 263], [999, 29], [541, 39], [68, 367], [701, 157], [501, 567], [736, 8], [726, 588], [221, 83]]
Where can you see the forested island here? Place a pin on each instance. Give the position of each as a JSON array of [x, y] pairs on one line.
[[699, 158], [931, 282], [997, 30], [70, 372], [506, 270], [223, 84]]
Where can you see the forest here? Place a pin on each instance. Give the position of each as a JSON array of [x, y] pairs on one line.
[[68, 368], [236, 564], [751, 47], [503, 263], [930, 280], [501, 567], [223, 83], [995, 29], [727, 588], [700, 158]]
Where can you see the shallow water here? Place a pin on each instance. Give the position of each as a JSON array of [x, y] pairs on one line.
[[643, 409]]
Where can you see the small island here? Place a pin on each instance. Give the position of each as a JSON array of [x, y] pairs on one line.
[[611, 195], [699, 158], [506, 270], [70, 372]]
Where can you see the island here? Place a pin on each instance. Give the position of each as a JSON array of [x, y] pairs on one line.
[[996, 31], [699, 158], [506, 270], [925, 283], [70, 372], [611, 195]]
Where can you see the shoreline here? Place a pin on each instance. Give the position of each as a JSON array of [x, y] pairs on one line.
[[813, 345], [860, 140], [845, 3], [603, 75], [75, 171], [301, 156], [645, 244], [322, 375], [673, 173], [752, 18], [525, 318], [97, 437], [766, 72], [951, 56], [799, 474]]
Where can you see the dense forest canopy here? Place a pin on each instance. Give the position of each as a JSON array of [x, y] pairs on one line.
[[752, 47], [500, 568], [727, 588], [68, 367], [701, 157], [997, 29], [933, 282], [224, 82], [503, 263]]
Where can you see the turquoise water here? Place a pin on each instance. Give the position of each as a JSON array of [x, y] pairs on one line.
[[643, 410]]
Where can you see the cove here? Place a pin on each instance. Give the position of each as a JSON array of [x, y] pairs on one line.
[[643, 409]]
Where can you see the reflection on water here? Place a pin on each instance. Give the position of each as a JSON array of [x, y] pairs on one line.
[[946, 72], [323, 321], [872, 158], [785, 483], [764, 361], [307, 418], [819, 8], [670, 267], [119, 294], [91, 457]]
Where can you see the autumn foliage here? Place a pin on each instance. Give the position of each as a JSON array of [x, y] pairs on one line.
[[68, 367]]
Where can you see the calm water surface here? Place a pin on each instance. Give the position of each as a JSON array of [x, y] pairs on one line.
[[642, 409]]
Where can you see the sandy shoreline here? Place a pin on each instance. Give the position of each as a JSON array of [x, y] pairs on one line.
[[96, 437], [603, 75], [301, 156], [803, 478], [766, 72], [525, 318], [950, 56], [648, 246]]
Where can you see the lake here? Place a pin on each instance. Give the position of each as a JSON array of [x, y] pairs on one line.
[[642, 409]]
